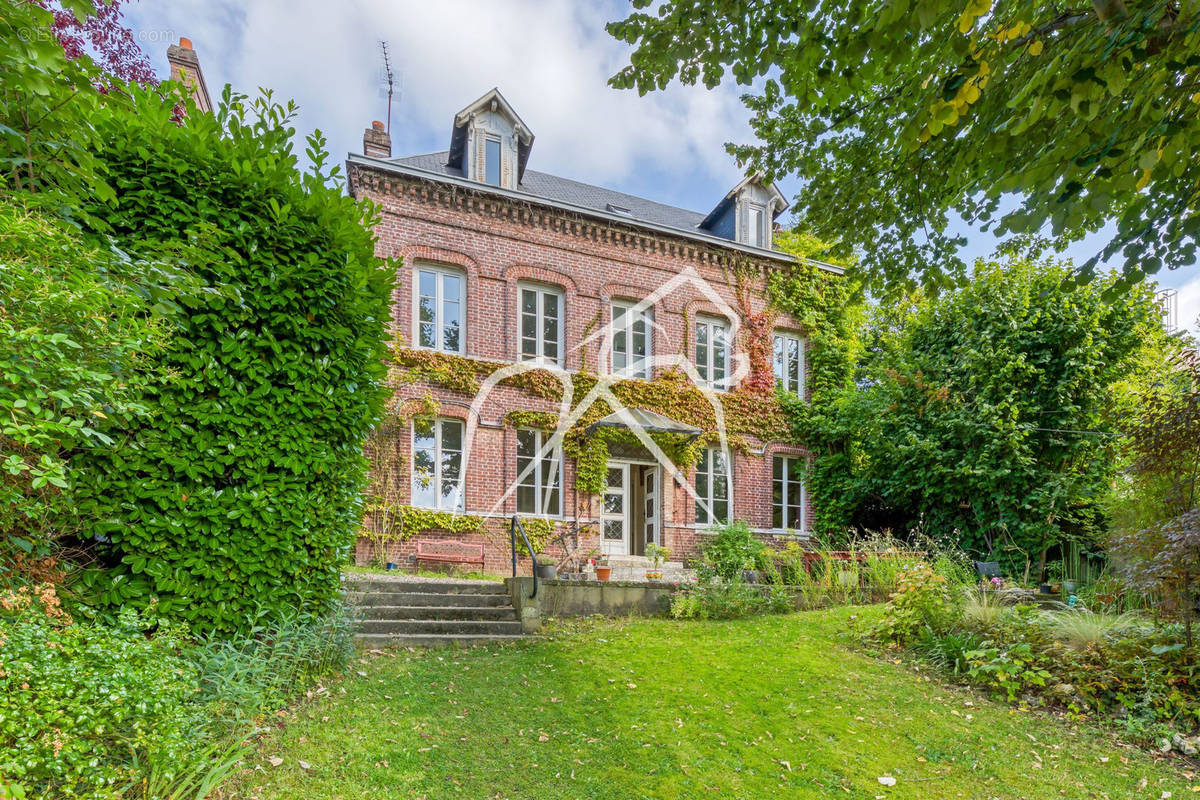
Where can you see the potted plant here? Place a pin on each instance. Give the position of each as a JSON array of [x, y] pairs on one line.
[[658, 554], [603, 570], [547, 567]]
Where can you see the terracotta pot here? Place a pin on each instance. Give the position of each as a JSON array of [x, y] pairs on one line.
[[603, 573]]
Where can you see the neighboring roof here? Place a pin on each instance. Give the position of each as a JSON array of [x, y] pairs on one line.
[[580, 197], [732, 194], [646, 420], [458, 134]]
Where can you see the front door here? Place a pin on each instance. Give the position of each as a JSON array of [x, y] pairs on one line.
[[650, 501], [614, 512]]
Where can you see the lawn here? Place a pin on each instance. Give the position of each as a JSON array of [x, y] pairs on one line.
[[768, 707]]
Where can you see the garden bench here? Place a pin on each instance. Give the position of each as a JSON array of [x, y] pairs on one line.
[[988, 569], [448, 551]]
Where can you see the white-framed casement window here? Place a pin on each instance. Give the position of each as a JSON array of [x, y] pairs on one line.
[[712, 352], [439, 303], [712, 487], [538, 478], [632, 340], [787, 493], [789, 362], [756, 225], [491, 160], [540, 319], [437, 468]]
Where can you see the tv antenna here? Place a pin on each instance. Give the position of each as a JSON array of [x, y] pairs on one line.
[[390, 79]]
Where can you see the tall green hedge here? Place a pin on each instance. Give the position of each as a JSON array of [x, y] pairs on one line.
[[241, 493]]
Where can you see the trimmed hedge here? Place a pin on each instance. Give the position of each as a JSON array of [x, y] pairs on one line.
[[241, 494]]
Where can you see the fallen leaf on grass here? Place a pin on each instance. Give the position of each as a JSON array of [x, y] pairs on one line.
[[274, 761], [886, 780]]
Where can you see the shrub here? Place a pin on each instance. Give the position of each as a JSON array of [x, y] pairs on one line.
[[732, 548], [729, 600], [983, 609], [1009, 671], [76, 699], [948, 650], [1163, 562], [241, 493], [76, 336], [921, 600]]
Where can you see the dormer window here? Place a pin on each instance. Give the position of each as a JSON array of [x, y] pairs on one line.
[[491, 159], [746, 214], [490, 144]]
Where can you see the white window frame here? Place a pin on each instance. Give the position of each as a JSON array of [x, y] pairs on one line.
[[541, 490], [438, 451], [706, 515], [785, 482], [540, 292], [756, 235], [801, 356], [440, 274], [706, 369], [489, 138], [628, 320]]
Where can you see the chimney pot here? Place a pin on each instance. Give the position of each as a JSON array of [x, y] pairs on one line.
[[377, 125], [185, 43]]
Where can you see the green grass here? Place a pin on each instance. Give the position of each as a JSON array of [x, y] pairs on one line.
[[767, 707]]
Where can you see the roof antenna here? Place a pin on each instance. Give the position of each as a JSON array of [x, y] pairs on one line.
[[389, 79]]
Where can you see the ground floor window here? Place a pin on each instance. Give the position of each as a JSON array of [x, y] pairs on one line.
[[437, 463], [538, 474], [787, 492], [712, 487]]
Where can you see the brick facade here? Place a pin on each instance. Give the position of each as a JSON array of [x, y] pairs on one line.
[[497, 242]]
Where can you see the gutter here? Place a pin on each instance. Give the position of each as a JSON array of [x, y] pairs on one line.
[[384, 165]]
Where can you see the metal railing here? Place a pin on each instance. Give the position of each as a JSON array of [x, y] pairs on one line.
[[513, 527]]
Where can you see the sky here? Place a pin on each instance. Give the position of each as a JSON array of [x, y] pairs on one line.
[[550, 58]]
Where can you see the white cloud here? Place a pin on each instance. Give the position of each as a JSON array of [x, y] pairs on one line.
[[550, 58]]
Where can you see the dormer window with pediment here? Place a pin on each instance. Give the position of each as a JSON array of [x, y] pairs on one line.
[[490, 143], [747, 213]]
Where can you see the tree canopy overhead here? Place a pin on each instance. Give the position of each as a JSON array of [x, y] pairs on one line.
[[899, 115]]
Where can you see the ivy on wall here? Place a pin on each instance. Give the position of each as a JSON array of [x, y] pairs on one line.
[[817, 299]]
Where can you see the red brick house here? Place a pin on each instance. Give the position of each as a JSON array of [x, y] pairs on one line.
[[506, 266]]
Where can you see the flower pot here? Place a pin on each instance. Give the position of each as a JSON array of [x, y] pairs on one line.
[[1045, 589], [546, 572], [392, 565], [1068, 587], [653, 575], [603, 573]]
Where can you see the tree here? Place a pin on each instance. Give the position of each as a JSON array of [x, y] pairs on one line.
[[898, 116], [984, 415], [96, 28]]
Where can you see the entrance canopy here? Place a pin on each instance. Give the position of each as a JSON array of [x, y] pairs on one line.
[[648, 421]]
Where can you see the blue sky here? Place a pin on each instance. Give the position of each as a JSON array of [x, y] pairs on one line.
[[550, 58]]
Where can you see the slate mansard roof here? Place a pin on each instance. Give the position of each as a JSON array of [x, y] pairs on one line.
[[448, 166]]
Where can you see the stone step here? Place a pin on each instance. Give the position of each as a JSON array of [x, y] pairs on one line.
[[423, 587], [642, 562], [368, 599], [379, 640], [428, 612], [456, 627]]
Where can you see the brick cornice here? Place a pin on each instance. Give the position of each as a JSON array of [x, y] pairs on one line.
[[531, 213]]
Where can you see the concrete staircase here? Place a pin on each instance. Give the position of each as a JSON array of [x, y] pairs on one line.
[[425, 613]]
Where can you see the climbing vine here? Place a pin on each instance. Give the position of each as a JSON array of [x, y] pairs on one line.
[[817, 299]]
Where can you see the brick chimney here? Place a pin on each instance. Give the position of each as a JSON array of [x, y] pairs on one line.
[[376, 141], [185, 68]]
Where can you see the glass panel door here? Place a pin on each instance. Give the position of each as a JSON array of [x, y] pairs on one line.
[[650, 493], [614, 512]]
